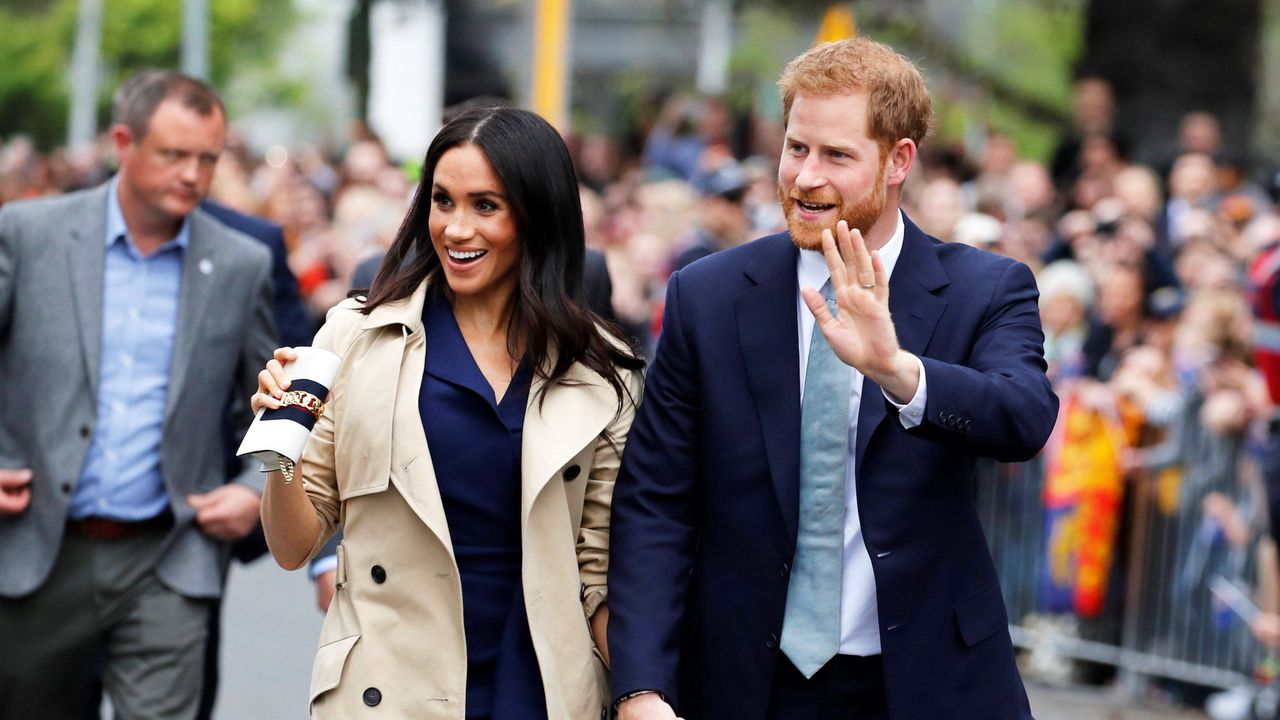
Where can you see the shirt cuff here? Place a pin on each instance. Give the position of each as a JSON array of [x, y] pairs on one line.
[[912, 414], [322, 565]]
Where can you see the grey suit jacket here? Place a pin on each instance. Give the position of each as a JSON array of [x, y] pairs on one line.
[[52, 257]]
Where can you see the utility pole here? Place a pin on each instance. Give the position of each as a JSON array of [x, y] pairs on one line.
[[406, 73], [83, 124], [716, 38], [436, 23], [195, 38]]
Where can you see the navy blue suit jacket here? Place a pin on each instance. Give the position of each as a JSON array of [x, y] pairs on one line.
[[293, 326], [705, 507]]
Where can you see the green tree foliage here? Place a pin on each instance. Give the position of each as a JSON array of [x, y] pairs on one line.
[[1005, 69], [35, 53]]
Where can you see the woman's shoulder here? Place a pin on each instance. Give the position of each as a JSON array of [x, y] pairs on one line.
[[614, 341], [342, 323]]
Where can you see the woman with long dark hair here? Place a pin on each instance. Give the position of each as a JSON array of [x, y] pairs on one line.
[[469, 447]]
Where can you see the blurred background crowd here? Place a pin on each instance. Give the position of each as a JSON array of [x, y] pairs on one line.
[[1154, 240]]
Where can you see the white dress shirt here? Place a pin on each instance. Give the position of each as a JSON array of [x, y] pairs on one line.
[[859, 621]]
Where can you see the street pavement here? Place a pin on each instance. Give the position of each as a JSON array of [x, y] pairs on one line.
[[271, 624]]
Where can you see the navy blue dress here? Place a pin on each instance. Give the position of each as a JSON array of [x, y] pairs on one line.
[[475, 449]]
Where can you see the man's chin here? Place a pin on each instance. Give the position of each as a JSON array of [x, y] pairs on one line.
[[806, 236], [179, 208]]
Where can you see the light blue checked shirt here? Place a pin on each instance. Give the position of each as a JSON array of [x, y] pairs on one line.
[[121, 477]]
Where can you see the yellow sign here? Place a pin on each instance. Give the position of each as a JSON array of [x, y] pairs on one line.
[[837, 24]]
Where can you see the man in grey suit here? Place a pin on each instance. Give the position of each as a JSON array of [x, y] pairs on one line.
[[127, 318]]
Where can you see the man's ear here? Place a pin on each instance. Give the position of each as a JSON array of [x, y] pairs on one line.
[[901, 157], [122, 139]]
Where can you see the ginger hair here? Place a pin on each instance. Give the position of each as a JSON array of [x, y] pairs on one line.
[[898, 102]]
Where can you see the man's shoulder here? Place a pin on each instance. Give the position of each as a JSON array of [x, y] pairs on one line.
[[56, 209], [967, 256], [259, 228], [230, 240], [973, 266], [764, 254]]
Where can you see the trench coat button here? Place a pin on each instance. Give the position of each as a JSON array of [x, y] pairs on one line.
[[772, 642], [604, 713], [372, 696], [66, 488], [85, 430], [379, 576], [571, 473]]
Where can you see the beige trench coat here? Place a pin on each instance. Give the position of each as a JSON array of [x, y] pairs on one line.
[[394, 634]]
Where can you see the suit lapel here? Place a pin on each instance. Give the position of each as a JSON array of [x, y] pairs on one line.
[[201, 272], [766, 316], [916, 311], [86, 264]]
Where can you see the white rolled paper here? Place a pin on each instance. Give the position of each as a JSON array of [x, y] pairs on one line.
[[270, 440]]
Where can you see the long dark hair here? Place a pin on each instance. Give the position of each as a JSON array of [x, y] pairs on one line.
[[549, 313]]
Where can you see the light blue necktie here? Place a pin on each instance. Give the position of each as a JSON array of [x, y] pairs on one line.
[[811, 626]]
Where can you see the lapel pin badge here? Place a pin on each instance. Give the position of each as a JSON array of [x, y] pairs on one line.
[[206, 266]]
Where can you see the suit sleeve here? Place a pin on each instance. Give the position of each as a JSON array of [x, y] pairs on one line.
[[999, 404], [291, 318], [259, 344], [654, 519]]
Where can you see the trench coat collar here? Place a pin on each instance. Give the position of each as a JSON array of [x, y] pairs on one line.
[[561, 420], [406, 311]]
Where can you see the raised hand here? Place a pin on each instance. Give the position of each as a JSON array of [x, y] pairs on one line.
[[862, 333]]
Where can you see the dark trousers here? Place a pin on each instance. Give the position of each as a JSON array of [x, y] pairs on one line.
[[846, 688]]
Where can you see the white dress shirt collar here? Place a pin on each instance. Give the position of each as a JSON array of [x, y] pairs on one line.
[[812, 266]]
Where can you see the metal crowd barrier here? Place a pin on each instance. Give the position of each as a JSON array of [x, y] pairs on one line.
[[1159, 618]]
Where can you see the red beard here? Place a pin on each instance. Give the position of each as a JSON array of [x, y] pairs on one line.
[[860, 215]]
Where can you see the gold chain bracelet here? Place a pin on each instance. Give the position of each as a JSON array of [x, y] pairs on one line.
[[304, 400]]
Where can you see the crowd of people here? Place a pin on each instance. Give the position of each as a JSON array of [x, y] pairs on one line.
[[1158, 283]]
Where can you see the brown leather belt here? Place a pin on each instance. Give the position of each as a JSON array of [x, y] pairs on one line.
[[96, 528]]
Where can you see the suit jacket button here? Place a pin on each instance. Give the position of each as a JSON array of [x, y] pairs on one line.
[[772, 642], [85, 430], [66, 488], [372, 696], [379, 576], [571, 473], [784, 570]]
